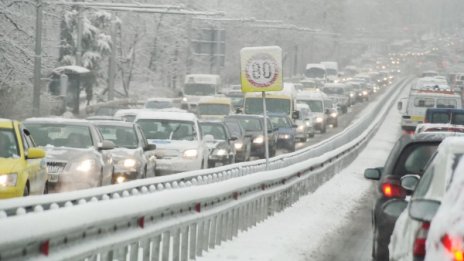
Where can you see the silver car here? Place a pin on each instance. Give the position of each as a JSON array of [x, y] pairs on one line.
[[133, 157], [77, 155]]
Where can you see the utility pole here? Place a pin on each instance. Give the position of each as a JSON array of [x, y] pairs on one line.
[[112, 62], [79, 36], [37, 59]]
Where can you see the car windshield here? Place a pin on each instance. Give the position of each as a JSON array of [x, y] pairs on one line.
[[60, 135], [446, 103], [331, 71], [162, 129], [237, 101], [280, 122], [315, 73], [217, 130], [234, 128], [213, 109], [314, 105], [8, 144], [255, 105], [123, 137], [158, 104], [199, 89], [250, 124]]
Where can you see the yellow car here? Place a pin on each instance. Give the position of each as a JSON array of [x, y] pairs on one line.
[[23, 169]]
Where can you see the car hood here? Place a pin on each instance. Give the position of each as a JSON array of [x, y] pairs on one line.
[[286, 131], [10, 165], [122, 153], [69, 154], [216, 144]]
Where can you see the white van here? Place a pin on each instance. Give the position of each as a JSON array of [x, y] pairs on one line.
[[414, 107], [197, 86], [322, 107]]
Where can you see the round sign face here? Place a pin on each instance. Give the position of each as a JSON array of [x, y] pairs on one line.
[[262, 70]]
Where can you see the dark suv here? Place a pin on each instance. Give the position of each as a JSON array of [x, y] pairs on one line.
[[409, 156]]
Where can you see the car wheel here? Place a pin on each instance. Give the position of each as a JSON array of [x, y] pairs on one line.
[[323, 130], [46, 187], [26, 189], [335, 125]]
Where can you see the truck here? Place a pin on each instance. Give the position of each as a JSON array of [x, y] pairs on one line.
[[317, 72], [331, 69], [197, 86]]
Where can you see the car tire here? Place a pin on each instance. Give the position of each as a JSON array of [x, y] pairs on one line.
[[335, 125], [26, 189], [324, 129], [46, 188]]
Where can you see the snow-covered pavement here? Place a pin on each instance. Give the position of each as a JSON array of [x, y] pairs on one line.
[[305, 230]]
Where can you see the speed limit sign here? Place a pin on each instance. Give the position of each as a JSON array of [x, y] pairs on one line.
[[261, 69]]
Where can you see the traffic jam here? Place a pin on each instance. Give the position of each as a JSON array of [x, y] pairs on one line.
[[201, 119]]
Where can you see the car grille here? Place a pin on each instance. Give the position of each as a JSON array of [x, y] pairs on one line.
[[167, 154], [55, 167]]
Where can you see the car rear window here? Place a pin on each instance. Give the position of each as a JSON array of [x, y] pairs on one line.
[[413, 158]]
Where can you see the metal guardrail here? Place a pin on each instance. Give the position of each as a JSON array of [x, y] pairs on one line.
[[20, 206], [179, 224]]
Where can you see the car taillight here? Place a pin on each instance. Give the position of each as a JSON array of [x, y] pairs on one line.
[[419, 242], [390, 190], [453, 246]]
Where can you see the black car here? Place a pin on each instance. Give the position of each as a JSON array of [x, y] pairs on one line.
[[254, 126], [445, 115], [221, 147], [409, 156], [286, 131], [243, 143]]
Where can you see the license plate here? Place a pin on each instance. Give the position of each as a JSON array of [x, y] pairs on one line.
[[53, 178]]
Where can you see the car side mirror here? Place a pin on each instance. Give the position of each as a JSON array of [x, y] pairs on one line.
[[239, 110], [233, 138], [423, 209], [35, 153], [409, 182], [106, 145], [327, 111], [394, 207], [150, 147], [373, 174], [400, 106], [296, 115]]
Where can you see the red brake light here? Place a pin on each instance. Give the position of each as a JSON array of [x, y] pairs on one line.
[[419, 242], [454, 247], [390, 190]]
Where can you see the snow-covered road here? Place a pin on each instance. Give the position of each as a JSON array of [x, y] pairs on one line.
[[320, 224]]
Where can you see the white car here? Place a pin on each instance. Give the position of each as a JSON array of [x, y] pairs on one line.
[[445, 240], [410, 233], [176, 134]]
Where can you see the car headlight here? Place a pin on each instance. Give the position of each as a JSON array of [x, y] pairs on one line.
[[284, 136], [120, 179], [8, 180], [364, 93], [221, 152], [351, 95], [129, 163], [190, 154], [308, 123], [86, 165], [238, 145], [258, 140], [319, 119], [184, 99], [300, 128], [333, 115]]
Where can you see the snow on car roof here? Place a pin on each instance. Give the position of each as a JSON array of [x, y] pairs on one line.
[[311, 95], [160, 99], [166, 114], [124, 112], [113, 123]]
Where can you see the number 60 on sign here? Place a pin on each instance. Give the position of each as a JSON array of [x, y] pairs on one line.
[[261, 69]]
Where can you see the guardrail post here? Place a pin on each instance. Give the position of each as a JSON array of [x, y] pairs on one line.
[[155, 248], [166, 243], [176, 244], [212, 234], [184, 244], [146, 249], [219, 229], [200, 237], [134, 251], [120, 253], [107, 256], [206, 234], [193, 240]]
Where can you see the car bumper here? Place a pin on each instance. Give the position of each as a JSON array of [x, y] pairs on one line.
[[11, 192], [73, 181], [288, 144], [171, 166]]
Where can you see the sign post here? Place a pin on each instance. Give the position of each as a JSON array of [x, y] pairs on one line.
[[261, 71]]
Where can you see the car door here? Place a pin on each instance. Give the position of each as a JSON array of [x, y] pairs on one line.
[[149, 155], [35, 168]]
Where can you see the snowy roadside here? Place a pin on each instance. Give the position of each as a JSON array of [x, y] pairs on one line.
[[301, 230]]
